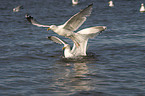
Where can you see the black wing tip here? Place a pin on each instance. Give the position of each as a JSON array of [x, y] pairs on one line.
[[28, 16], [21, 6], [91, 4], [49, 37]]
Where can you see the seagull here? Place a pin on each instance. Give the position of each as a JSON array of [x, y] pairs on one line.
[[17, 9], [68, 28], [111, 3], [142, 9], [79, 51], [74, 2]]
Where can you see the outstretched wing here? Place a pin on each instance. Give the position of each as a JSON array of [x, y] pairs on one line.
[[92, 31], [34, 21], [57, 40], [78, 19], [20, 7]]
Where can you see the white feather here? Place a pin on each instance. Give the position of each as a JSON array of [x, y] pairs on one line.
[[83, 36]]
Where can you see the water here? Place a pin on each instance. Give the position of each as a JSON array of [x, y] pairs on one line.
[[31, 65]]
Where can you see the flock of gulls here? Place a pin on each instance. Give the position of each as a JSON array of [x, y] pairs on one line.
[[80, 38]]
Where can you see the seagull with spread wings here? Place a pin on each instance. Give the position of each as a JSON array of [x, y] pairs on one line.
[[79, 51], [68, 28]]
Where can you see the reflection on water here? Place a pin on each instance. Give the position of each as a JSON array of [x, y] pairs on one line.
[[80, 69], [74, 79]]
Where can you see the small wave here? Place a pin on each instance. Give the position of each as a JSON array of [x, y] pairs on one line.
[[91, 93]]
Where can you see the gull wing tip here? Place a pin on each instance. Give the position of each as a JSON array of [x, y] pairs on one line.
[[90, 5]]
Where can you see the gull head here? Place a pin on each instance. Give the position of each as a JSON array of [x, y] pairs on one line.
[[52, 27], [104, 27], [142, 4], [101, 28], [15, 10], [110, 2]]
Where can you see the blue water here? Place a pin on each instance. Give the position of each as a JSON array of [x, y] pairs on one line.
[[31, 65]]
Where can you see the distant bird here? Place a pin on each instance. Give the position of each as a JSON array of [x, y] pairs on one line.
[[79, 51], [17, 9], [111, 3], [74, 2], [142, 8], [69, 26]]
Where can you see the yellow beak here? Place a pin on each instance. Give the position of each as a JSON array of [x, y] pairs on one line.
[[48, 29], [63, 48]]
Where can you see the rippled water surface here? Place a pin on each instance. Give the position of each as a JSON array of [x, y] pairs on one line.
[[31, 65]]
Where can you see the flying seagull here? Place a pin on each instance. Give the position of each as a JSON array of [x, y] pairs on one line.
[[79, 51], [69, 26], [17, 9]]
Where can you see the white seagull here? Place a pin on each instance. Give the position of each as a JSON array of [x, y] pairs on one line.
[[17, 9], [74, 2], [142, 9], [79, 51], [68, 28], [111, 3]]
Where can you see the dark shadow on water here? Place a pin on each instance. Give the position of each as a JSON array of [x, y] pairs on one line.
[[91, 57]]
